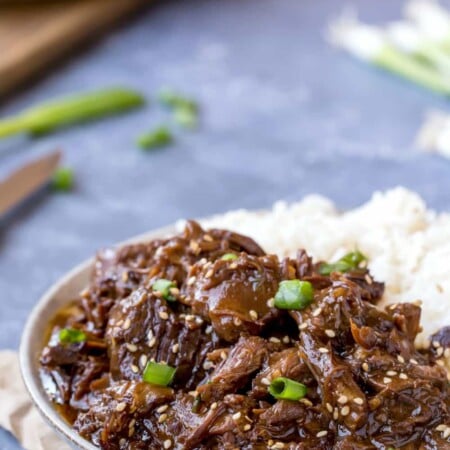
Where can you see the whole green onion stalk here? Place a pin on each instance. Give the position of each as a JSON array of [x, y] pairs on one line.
[[431, 18], [412, 41], [71, 110], [371, 44]]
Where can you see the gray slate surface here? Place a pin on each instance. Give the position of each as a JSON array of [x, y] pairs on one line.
[[284, 115]]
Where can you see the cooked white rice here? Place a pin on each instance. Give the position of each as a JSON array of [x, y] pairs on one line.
[[408, 245]]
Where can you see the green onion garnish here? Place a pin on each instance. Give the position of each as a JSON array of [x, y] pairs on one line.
[[287, 389], [294, 294], [63, 179], [70, 110], [160, 374], [159, 137], [350, 261], [71, 336], [229, 257], [185, 109], [164, 286]]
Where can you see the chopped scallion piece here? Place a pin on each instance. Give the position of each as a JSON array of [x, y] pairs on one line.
[[294, 294], [71, 336], [157, 373], [63, 179], [163, 286], [229, 257], [159, 137], [350, 261], [185, 109], [70, 110], [287, 389]]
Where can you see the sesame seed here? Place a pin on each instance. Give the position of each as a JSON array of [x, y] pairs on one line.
[[191, 281], [247, 427], [131, 347], [391, 373], [343, 399], [345, 411], [358, 400], [368, 279], [134, 368], [439, 351], [441, 427], [323, 350], [233, 266], [208, 365], [143, 360], [303, 326], [336, 414], [439, 362], [365, 367], [274, 340], [223, 355], [278, 445], [286, 339], [213, 405], [209, 274], [194, 246], [152, 342], [329, 407], [122, 442], [175, 348], [265, 381], [413, 361], [174, 291], [305, 401], [208, 329], [330, 333], [236, 416], [163, 315], [387, 380], [162, 418], [400, 359], [198, 320], [403, 376], [167, 444], [436, 344], [162, 409], [317, 312], [253, 314], [237, 321], [271, 302], [322, 433], [190, 317], [446, 433], [124, 277], [208, 238], [121, 406], [126, 324], [270, 442]]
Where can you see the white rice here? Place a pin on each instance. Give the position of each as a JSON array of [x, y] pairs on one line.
[[407, 244]]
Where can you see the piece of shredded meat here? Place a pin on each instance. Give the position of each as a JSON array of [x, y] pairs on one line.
[[367, 386]]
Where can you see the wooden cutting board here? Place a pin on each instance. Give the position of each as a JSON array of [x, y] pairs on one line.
[[35, 34]]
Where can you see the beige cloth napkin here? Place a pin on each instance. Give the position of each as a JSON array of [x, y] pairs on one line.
[[17, 413]]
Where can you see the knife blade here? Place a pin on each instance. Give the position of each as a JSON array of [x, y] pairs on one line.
[[27, 180]]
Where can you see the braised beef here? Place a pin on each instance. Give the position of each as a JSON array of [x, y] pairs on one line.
[[367, 386]]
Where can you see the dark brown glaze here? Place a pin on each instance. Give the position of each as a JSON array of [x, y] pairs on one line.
[[367, 385]]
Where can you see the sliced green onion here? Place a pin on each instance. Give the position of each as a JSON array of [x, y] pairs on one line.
[[185, 109], [160, 374], [294, 294], [63, 179], [350, 261], [286, 389], [229, 257], [371, 44], [159, 137], [186, 117], [70, 110], [164, 286], [71, 336]]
